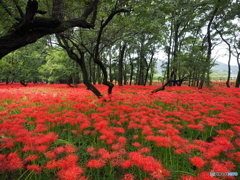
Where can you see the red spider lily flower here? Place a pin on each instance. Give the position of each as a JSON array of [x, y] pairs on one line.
[[50, 154], [206, 176], [6, 142], [135, 136], [122, 140], [122, 151], [144, 150], [118, 129], [115, 154], [147, 130], [128, 177], [197, 161], [126, 164], [226, 133], [59, 150], [51, 164], [10, 162], [74, 131], [40, 128], [237, 156], [69, 148], [116, 146], [136, 144], [157, 174], [237, 129], [31, 157], [34, 168], [96, 163], [237, 142], [179, 151], [42, 148], [101, 125], [226, 166], [90, 149], [198, 127], [71, 173], [117, 161], [85, 125]]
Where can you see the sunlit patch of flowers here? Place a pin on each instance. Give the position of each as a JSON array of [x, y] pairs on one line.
[[56, 132]]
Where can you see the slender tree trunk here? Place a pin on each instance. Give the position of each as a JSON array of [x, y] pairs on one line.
[[229, 58], [94, 80], [148, 67], [209, 52], [237, 85], [131, 71], [168, 49], [120, 64], [141, 63], [110, 67]]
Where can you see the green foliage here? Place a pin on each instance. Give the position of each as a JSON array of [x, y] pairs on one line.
[[59, 67]]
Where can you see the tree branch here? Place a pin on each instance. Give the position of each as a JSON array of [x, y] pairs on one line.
[[19, 8], [31, 28], [5, 8]]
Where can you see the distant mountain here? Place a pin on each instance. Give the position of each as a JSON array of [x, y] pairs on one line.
[[219, 67], [222, 67]]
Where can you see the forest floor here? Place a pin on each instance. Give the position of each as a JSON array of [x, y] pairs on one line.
[[56, 132]]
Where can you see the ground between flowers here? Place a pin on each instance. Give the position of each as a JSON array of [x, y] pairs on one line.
[[56, 132]]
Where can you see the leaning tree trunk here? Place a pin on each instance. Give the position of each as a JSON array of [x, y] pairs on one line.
[[86, 81], [80, 59]]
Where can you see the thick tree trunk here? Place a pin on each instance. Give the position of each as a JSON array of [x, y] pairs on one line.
[[30, 28], [23, 83]]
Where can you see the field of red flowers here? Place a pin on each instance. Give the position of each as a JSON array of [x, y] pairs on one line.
[[56, 132]]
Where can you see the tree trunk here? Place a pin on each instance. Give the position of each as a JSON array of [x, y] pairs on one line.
[[30, 28], [148, 67], [85, 77], [120, 64], [237, 85], [229, 58], [209, 52]]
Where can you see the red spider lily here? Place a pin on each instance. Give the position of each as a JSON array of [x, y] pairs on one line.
[[126, 164], [96, 163], [10, 162], [136, 144], [71, 173], [128, 177], [34, 168], [197, 161], [31, 157], [50, 154]]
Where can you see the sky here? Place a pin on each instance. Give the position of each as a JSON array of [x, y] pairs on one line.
[[221, 53]]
